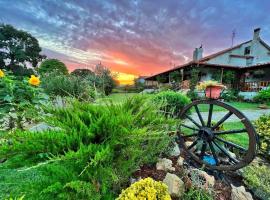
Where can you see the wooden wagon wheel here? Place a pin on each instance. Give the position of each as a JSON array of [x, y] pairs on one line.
[[209, 143]]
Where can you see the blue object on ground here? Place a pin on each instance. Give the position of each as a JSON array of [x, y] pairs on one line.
[[210, 160]]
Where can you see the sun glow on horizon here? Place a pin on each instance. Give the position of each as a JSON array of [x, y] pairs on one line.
[[125, 79]]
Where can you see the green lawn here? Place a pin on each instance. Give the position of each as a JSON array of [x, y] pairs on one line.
[[238, 105], [116, 97], [239, 138], [120, 97]]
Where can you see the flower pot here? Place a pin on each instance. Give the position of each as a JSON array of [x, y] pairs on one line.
[[213, 92]]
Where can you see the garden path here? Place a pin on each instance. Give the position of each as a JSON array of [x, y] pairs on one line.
[[251, 115]]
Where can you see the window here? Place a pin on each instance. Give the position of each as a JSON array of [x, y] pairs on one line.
[[247, 50]]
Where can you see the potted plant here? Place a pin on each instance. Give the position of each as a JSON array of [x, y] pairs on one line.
[[211, 88]]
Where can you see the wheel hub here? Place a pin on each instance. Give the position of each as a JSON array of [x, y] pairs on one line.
[[206, 134]]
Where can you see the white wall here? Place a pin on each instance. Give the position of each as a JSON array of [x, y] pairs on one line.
[[260, 53]]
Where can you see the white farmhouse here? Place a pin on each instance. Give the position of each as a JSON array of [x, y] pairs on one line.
[[245, 67]]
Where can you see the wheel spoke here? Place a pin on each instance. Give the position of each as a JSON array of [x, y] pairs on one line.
[[231, 144], [210, 115], [199, 115], [193, 144], [189, 127], [192, 120], [230, 131], [226, 153], [214, 153], [222, 120], [204, 146]]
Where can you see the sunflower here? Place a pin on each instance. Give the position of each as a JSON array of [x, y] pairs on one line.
[[2, 74], [34, 80]]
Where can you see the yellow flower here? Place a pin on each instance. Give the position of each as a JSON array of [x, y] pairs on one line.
[[2, 74], [34, 80]]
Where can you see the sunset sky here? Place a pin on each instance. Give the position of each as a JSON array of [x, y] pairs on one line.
[[139, 37]]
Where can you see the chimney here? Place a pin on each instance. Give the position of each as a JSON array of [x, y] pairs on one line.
[[256, 34], [198, 53]]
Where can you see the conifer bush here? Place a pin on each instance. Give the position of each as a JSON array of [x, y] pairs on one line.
[[172, 102], [92, 156]]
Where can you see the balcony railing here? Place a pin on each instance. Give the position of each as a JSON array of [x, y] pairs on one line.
[[254, 86]]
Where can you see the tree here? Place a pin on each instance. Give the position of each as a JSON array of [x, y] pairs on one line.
[[53, 66], [105, 78], [82, 73], [175, 76], [18, 47], [139, 84]]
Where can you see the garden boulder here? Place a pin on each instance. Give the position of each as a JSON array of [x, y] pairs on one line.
[[165, 164], [240, 193], [176, 150], [175, 185]]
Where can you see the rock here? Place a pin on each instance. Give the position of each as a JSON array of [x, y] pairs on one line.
[[175, 185], [180, 161], [209, 180], [240, 193], [133, 180], [188, 144], [165, 164], [175, 151], [43, 127]]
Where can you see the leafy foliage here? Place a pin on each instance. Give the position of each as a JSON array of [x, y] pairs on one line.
[[197, 194], [19, 47], [229, 77], [68, 86], [230, 95], [161, 78], [104, 79], [257, 178], [146, 189], [175, 76], [82, 73], [19, 101], [263, 129], [194, 78], [92, 156], [263, 96], [173, 102], [139, 84], [52, 66]]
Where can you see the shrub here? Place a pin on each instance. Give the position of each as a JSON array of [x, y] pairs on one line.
[[173, 102], [257, 178], [146, 189], [197, 194], [21, 100], [68, 86], [229, 95], [93, 155], [82, 73], [263, 96], [52, 66], [192, 94], [263, 129]]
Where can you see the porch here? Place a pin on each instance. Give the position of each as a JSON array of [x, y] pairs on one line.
[[254, 86]]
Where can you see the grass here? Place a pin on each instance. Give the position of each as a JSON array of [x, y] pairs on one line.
[[238, 105], [116, 97], [240, 138], [121, 97]]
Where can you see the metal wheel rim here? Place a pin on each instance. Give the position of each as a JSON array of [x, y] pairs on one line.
[[252, 147]]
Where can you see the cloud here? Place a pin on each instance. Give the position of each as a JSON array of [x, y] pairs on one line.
[[140, 37]]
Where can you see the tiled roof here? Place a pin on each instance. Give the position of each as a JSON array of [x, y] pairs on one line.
[[203, 60], [222, 52]]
